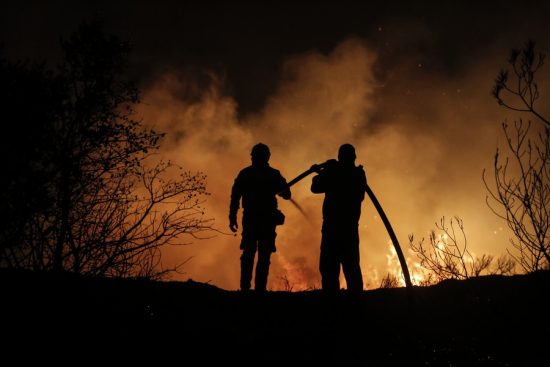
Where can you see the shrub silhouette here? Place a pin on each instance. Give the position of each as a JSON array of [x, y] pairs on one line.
[[80, 193], [520, 193]]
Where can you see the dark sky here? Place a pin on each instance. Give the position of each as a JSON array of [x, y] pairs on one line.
[[246, 42]]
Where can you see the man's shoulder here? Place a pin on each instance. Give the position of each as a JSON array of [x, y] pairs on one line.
[[251, 170], [247, 171], [276, 173], [361, 172], [274, 170]]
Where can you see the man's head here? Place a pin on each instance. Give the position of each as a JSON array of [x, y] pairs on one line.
[[346, 154], [260, 154]]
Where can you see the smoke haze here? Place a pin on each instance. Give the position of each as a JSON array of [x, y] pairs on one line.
[[422, 139]]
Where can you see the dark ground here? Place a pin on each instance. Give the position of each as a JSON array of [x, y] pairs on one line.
[[67, 319]]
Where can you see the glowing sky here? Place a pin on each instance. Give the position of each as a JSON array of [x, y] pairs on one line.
[[408, 85]]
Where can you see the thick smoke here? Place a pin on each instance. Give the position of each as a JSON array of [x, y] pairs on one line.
[[423, 141]]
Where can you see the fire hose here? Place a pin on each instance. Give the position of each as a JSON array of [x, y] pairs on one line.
[[385, 220]]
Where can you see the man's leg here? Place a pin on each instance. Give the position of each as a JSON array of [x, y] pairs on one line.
[[266, 247], [329, 265], [351, 264], [248, 246]]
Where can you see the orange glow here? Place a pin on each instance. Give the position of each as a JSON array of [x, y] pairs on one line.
[[423, 141]]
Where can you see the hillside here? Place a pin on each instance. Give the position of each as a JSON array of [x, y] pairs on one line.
[[487, 321]]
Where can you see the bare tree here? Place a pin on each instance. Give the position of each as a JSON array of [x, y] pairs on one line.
[[521, 191], [104, 209], [521, 93], [427, 279], [119, 232], [389, 281], [286, 283], [446, 255]]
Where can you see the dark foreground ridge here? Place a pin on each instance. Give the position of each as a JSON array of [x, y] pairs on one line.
[[63, 318]]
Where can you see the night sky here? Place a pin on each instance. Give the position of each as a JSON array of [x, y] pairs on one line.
[[247, 42], [408, 83]]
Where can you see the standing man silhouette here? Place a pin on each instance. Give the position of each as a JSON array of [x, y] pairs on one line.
[[257, 185], [343, 184]]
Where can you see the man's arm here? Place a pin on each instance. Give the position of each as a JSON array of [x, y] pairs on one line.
[[320, 182], [362, 182], [318, 185], [236, 194], [284, 189]]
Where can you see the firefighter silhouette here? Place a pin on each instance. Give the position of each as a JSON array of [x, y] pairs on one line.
[[343, 184], [257, 185]]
